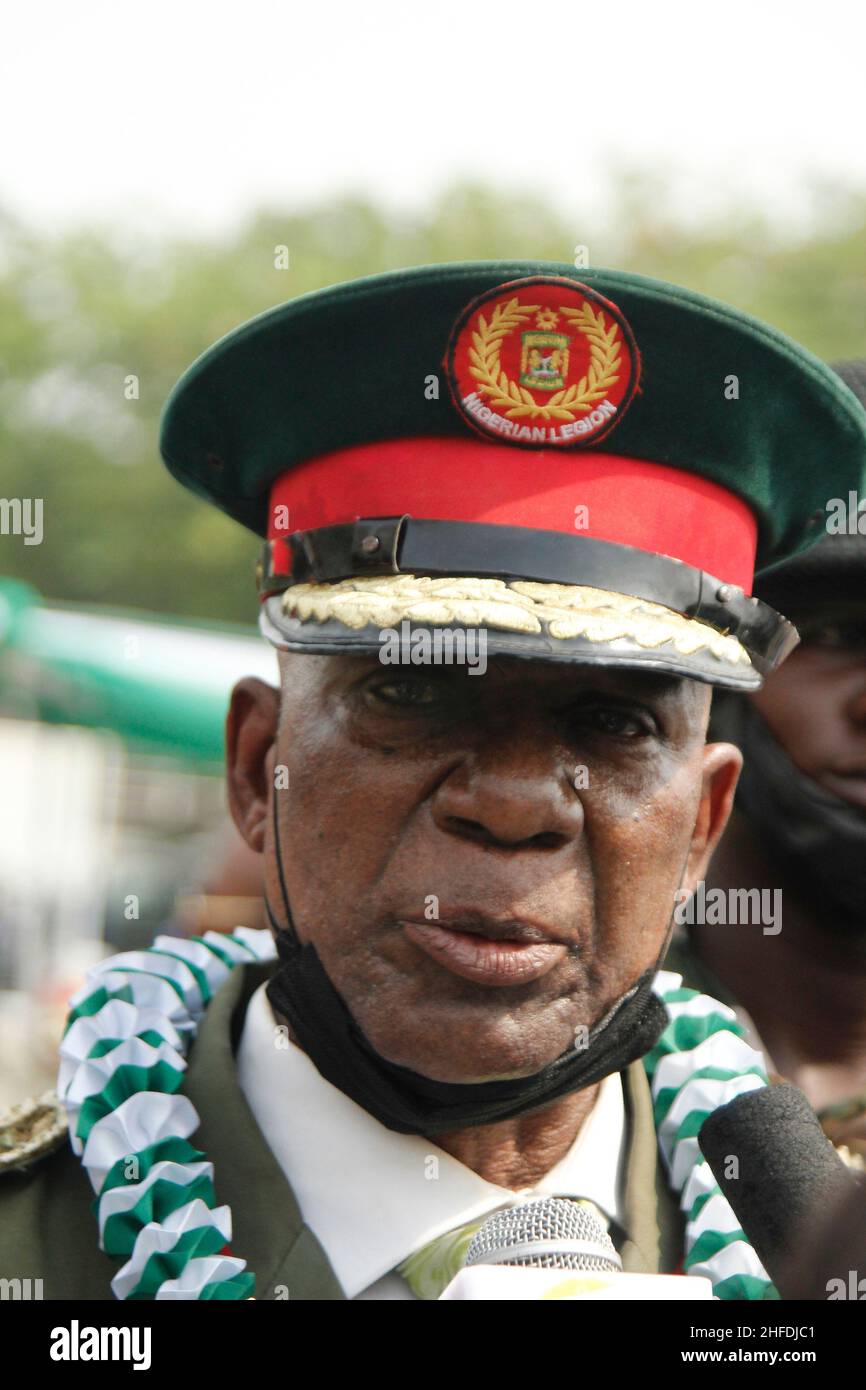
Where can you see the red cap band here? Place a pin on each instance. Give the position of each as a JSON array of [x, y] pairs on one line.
[[651, 506]]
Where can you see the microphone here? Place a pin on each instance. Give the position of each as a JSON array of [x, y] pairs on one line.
[[549, 1233], [788, 1188], [555, 1248]]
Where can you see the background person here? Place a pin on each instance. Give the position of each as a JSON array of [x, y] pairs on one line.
[[799, 824]]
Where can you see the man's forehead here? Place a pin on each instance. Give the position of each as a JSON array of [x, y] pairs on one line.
[[501, 670]]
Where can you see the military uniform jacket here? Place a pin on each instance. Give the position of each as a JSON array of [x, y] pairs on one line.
[[48, 1227]]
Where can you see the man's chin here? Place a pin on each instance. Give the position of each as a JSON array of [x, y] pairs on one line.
[[484, 1064]]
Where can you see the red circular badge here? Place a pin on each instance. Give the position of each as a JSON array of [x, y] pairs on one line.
[[543, 362]]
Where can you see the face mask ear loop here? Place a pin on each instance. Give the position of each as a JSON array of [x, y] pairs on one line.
[[289, 929]]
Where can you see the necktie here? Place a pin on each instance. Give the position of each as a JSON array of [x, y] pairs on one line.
[[430, 1270]]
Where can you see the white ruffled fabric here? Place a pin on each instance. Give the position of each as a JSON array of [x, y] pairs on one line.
[[737, 1258], [142, 1120], [215, 971], [168, 967], [120, 1199], [93, 1075], [260, 943], [148, 992], [209, 1269], [167, 1000], [160, 1239], [116, 1019], [689, 1172]]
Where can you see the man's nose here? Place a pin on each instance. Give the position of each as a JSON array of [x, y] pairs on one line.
[[513, 791]]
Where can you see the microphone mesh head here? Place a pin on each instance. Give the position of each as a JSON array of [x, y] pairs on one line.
[[552, 1225]]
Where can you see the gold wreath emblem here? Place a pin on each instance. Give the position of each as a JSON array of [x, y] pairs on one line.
[[514, 401]]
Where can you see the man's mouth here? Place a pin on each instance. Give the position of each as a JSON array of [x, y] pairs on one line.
[[487, 951]]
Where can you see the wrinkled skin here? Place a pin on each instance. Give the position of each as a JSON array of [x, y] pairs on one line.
[[405, 783]]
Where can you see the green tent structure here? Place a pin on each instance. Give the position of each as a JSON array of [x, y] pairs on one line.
[[162, 684], [112, 760]]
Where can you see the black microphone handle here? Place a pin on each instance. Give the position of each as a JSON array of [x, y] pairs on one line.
[[787, 1186]]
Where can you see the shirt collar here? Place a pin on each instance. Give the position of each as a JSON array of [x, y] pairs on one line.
[[373, 1197]]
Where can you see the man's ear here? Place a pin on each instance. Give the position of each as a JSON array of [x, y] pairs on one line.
[[722, 765], [251, 732]]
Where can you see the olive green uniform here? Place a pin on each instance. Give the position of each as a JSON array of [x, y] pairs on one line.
[[48, 1229]]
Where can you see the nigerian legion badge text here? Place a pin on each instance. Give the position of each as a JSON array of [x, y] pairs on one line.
[[543, 361]]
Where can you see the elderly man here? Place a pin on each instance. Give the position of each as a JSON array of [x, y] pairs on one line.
[[470, 869]]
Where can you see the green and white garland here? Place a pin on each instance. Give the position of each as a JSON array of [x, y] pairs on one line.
[[702, 1061], [123, 1057]]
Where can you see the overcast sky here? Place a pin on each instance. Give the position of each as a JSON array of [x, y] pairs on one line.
[[190, 113]]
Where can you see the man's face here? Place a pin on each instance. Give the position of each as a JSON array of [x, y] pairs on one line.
[[429, 810], [815, 704]]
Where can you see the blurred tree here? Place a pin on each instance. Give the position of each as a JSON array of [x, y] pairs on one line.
[[83, 312]]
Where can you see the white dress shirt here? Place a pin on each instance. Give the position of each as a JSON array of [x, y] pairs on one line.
[[373, 1197]]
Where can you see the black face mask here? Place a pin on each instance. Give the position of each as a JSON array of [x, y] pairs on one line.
[[403, 1100], [817, 839]]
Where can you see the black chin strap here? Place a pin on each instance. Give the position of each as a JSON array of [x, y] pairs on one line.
[[409, 1103], [290, 924]]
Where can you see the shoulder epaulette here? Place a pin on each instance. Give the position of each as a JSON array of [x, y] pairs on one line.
[[31, 1130]]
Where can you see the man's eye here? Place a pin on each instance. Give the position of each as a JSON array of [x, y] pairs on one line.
[[405, 692], [617, 723]]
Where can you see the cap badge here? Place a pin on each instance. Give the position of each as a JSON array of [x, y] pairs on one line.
[[543, 361]]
